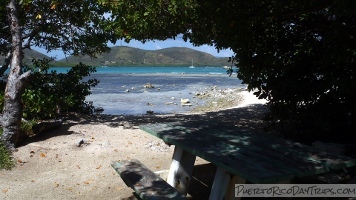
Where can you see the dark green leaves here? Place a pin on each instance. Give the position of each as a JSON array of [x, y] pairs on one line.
[[50, 94], [298, 55], [147, 20]]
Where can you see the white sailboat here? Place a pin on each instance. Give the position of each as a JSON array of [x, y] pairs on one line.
[[192, 66]]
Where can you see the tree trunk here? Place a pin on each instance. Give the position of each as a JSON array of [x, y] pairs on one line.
[[12, 113]]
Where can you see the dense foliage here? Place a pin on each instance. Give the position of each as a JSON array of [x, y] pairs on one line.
[[298, 55], [50, 94], [75, 27], [147, 20]]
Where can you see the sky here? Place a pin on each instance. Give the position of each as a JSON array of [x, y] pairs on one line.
[[153, 45]]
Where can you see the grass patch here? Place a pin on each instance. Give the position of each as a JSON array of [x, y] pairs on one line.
[[6, 160]]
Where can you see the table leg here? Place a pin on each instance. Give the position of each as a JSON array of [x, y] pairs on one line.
[[224, 185], [180, 172], [230, 194]]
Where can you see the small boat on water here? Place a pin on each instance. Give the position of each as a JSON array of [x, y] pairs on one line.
[[192, 66]]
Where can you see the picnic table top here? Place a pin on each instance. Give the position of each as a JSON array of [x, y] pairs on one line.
[[257, 157]]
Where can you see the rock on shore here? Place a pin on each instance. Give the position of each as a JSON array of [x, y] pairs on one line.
[[218, 99]]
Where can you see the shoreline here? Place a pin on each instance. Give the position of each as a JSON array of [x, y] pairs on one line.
[[230, 106], [119, 93], [150, 101]]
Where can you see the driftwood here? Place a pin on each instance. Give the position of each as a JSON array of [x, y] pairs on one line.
[[38, 129], [46, 126]]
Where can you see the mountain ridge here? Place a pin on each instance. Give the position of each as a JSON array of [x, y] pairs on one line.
[[124, 55], [29, 54], [127, 56]]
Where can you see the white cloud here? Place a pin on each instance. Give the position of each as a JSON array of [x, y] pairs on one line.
[[158, 46]]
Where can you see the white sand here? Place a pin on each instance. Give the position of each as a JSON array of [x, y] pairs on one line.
[[249, 98]]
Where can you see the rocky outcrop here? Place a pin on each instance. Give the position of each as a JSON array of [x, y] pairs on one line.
[[148, 85]]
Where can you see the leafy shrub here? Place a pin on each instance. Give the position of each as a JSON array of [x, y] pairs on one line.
[[50, 93]]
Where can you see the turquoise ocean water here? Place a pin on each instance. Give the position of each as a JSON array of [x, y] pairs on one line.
[[154, 70], [121, 89]]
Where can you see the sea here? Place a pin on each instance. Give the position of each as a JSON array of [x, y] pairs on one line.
[[121, 90]]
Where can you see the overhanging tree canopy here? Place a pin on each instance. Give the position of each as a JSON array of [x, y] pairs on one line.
[[76, 27], [300, 55]]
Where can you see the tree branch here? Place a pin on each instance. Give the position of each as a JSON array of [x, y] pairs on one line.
[[24, 76], [30, 36]]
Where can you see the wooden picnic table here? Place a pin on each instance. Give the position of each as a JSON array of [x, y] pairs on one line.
[[240, 154]]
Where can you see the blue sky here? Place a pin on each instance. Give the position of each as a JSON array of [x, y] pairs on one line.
[[154, 45]]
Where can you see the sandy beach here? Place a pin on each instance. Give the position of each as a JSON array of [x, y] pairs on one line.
[[52, 166]]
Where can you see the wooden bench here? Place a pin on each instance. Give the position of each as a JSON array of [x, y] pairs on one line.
[[145, 183]]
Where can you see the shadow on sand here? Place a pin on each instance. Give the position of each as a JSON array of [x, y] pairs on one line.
[[247, 117]]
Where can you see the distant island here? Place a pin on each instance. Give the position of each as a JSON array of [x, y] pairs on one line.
[[127, 56]]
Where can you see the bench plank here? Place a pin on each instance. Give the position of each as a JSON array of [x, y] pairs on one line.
[[257, 157], [145, 182]]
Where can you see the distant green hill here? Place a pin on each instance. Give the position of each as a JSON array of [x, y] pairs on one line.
[[119, 56], [29, 55], [123, 56]]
